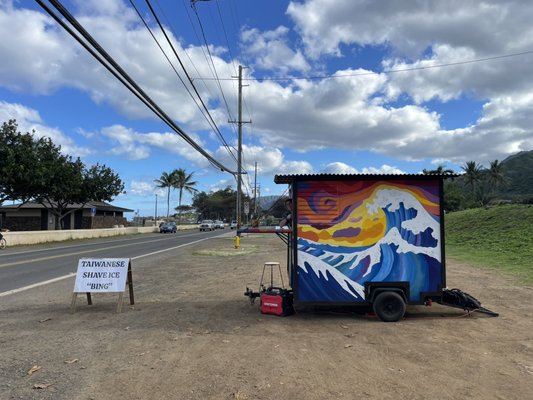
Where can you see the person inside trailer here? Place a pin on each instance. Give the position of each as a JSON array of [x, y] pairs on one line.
[[287, 219]]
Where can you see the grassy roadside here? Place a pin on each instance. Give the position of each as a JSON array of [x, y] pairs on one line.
[[498, 237]]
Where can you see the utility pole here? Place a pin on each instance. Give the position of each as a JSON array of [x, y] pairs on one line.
[[155, 216], [239, 151], [255, 190]]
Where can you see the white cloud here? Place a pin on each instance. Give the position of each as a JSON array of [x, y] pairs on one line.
[[342, 168], [29, 120], [143, 188], [372, 111], [134, 145], [270, 51], [384, 169], [481, 80], [51, 60], [488, 26], [339, 168], [221, 185], [337, 113], [271, 160]]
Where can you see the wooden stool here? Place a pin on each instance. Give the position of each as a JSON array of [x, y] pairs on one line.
[[272, 265]]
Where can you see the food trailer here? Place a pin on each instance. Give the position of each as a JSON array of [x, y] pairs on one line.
[[368, 240]]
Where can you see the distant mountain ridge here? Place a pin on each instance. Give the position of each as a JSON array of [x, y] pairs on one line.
[[518, 169], [265, 202]]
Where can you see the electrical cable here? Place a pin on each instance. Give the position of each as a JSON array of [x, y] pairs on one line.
[[211, 58], [120, 74], [170, 62], [214, 125], [391, 71], [230, 53], [193, 6]]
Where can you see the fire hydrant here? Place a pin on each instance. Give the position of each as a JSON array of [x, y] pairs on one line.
[[237, 240]]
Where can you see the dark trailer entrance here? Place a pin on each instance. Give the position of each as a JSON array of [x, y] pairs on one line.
[[357, 236]]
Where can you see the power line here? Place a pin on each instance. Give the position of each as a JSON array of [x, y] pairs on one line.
[[169, 23], [165, 55], [391, 71], [193, 6], [112, 66], [213, 123], [210, 56]]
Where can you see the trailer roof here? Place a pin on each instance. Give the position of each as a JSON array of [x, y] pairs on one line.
[[342, 177]]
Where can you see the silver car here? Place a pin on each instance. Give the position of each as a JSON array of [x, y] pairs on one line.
[[207, 225]]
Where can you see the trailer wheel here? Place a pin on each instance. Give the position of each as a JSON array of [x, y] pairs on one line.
[[389, 306]]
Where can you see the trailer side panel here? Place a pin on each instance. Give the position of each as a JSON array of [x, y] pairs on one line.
[[353, 232]]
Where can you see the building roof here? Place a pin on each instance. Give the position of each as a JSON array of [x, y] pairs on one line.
[[342, 177], [99, 205]]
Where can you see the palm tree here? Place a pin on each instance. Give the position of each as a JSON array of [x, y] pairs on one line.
[[182, 181], [495, 174], [473, 173], [166, 181], [440, 170]]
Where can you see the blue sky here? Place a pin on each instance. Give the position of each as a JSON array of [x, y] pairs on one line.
[[344, 86]]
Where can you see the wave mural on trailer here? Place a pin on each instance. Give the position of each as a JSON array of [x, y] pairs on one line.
[[350, 233]]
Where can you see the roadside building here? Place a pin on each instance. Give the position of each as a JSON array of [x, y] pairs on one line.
[[35, 217]]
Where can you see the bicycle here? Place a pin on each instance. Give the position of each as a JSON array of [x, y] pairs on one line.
[[3, 242]]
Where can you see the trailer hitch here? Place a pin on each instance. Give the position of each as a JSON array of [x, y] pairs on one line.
[[252, 295], [459, 299]]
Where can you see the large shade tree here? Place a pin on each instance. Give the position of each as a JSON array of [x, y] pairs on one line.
[[35, 169], [217, 205], [24, 160], [70, 183]]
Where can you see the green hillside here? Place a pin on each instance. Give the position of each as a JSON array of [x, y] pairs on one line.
[[498, 237], [518, 169]]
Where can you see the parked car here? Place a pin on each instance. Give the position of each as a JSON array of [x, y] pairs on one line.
[[233, 225], [219, 224], [168, 227], [207, 225]]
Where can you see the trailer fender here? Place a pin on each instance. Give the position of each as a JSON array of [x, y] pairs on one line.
[[375, 291]]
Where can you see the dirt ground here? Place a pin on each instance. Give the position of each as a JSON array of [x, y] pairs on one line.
[[193, 335]]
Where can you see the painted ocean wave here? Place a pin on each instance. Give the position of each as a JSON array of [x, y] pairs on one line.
[[408, 252]]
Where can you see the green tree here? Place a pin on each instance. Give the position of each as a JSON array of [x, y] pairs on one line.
[[23, 162], [217, 205], [183, 181], [167, 181], [440, 170], [35, 169], [453, 197], [100, 183], [473, 175], [200, 202], [68, 182], [496, 177]]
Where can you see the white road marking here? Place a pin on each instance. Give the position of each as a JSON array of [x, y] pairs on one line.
[[74, 274]]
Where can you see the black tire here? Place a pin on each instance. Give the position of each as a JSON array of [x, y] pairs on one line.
[[3, 243], [389, 306]]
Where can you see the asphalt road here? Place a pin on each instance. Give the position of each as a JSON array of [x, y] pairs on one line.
[[24, 266]]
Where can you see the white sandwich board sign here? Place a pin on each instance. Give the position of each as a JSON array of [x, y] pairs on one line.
[[103, 275], [99, 275]]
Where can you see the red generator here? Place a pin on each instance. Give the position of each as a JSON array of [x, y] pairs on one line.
[[276, 301]]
